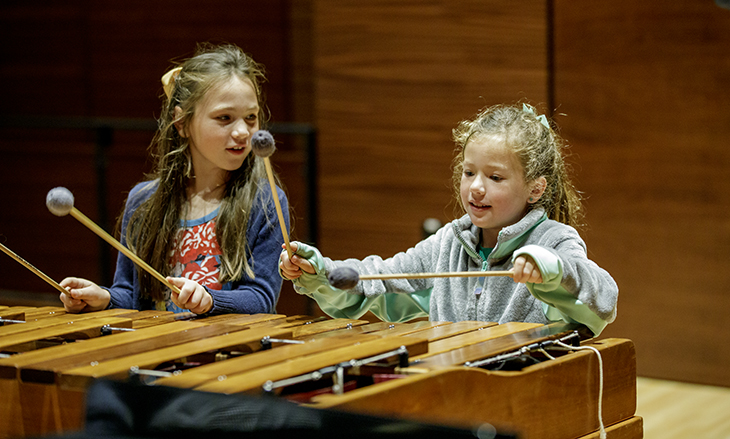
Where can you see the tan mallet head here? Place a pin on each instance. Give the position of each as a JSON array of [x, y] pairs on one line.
[[60, 201]]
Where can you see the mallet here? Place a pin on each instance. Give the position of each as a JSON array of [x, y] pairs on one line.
[[36, 271], [60, 201], [262, 144], [346, 278]]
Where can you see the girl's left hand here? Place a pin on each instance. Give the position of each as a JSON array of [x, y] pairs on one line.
[[192, 295], [526, 270]]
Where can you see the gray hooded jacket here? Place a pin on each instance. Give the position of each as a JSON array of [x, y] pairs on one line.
[[574, 288]]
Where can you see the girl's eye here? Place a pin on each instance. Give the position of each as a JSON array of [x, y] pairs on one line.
[[224, 117], [468, 173], [496, 178], [252, 117]]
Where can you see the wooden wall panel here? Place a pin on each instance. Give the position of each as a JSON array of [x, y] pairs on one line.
[[645, 89], [392, 80]]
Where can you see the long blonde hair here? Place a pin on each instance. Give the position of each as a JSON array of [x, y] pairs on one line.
[[153, 227], [539, 149]]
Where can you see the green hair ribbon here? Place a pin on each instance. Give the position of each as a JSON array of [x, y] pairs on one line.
[[543, 120]]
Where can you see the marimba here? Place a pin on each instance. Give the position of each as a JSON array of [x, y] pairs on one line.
[[539, 381]]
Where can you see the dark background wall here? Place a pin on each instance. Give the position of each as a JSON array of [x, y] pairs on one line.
[[638, 89]]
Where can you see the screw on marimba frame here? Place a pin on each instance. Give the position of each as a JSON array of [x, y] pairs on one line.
[[108, 330]]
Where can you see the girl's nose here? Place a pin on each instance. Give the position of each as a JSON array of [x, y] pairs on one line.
[[477, 186], [240, 132]]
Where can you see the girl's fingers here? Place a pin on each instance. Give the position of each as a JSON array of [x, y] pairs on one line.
[[203, 302], [72, 305], [292, 266], [525, 270], [178, 299], [291, 274], [295, 265], [292, 245], [192, 296], [303, 264]]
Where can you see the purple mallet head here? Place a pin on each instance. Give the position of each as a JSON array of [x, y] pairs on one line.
[[262, 143], [344, 278]]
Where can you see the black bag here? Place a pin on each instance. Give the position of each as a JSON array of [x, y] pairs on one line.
[[117, 409]]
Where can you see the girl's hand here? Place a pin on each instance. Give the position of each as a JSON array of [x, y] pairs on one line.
[[192, 295], [526, 270], [83, 295], [293, 268]]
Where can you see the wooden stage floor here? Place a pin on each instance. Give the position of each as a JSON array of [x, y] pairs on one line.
[[681, 410]]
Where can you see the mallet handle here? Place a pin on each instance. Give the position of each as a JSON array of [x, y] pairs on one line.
[[118, 245], [39, 273], [279, 213], [509, 273]]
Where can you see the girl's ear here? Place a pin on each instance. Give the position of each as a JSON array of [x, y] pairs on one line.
[[178, 122], [538, 188]]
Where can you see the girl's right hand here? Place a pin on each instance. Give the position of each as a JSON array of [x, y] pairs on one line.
[[83, 295], [525, 270], [293, 268]]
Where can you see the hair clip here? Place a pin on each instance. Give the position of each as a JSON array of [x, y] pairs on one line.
[[168, 81], [543, 120]]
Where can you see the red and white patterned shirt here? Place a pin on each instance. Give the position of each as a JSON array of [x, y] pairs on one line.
[[196, 254]]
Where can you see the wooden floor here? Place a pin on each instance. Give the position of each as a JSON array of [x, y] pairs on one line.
[[680, 410]]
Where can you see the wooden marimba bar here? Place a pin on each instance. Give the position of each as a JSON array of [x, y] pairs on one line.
[[519, 377]]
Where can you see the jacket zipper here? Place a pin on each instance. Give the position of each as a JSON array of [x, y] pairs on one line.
[[478, 290]]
